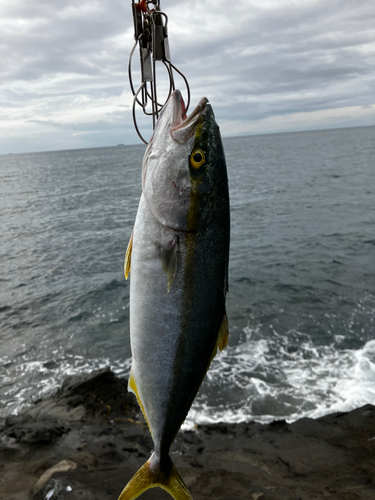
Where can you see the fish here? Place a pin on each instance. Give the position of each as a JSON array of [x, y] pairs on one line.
[[177, 258]]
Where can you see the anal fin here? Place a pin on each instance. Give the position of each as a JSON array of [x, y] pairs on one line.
[[132, 387]]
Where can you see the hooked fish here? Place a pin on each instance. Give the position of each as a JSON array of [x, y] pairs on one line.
[[178, 254]]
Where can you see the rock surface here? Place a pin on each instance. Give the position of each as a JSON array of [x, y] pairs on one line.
[[89, 439]]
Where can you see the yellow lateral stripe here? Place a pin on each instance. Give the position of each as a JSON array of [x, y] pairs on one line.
[[128, 256]]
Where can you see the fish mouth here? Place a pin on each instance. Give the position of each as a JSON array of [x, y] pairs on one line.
[[179, 116], [183, 127]]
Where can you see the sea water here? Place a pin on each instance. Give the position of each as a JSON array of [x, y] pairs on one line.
[[301, 304]]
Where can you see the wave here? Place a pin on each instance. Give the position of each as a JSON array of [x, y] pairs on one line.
[[267, 379]]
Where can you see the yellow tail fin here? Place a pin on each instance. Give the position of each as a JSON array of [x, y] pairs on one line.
[[150, 476]]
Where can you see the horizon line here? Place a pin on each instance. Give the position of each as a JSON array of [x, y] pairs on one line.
[[223, 137]]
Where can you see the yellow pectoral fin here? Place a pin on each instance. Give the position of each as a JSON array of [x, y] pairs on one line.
[[171, 271], [169, 259], [128, 256], [223, 337]]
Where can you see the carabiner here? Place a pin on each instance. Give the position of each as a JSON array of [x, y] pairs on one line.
[[151, 34]]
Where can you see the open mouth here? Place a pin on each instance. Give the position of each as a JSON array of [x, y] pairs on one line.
[[194, 116], [183, 127]]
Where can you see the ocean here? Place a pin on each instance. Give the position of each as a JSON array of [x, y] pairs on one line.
[[301, 303]]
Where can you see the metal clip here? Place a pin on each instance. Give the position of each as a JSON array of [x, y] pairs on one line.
[[151, 34]]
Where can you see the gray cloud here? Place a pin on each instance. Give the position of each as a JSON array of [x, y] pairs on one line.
[[64, 67]]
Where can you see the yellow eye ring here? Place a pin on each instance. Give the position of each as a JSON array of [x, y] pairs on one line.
[[197, 158]]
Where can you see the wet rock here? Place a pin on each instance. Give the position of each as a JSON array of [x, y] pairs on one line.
[[88, 440], [63, 466]]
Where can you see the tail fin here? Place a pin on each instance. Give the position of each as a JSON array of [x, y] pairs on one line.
[[150, 475]]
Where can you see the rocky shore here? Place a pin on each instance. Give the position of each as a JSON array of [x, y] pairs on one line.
[[88, 440]]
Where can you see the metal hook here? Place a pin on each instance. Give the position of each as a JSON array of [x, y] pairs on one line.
[[151, 34]]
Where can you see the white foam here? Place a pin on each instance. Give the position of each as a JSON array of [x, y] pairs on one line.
[[265, 382], [49, 494], [260, 379], [45, 381]]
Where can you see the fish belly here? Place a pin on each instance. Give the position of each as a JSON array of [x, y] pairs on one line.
[[173, 331], [155, 317]]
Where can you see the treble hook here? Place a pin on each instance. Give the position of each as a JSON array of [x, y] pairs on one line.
[[151, 34]]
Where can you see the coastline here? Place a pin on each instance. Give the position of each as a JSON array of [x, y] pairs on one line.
[[87, 440]]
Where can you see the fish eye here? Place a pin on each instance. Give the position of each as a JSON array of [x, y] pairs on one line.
[[197, 158]]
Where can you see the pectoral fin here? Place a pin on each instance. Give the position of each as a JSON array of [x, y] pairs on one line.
[[168, 254], [128, 256]]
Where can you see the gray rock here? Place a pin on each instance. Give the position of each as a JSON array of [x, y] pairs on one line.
[[95, 424]]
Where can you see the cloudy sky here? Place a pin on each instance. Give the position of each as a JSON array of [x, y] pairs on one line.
[[265, 65]]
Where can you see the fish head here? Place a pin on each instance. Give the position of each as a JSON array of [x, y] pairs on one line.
[[180, 162], [208, 170]]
